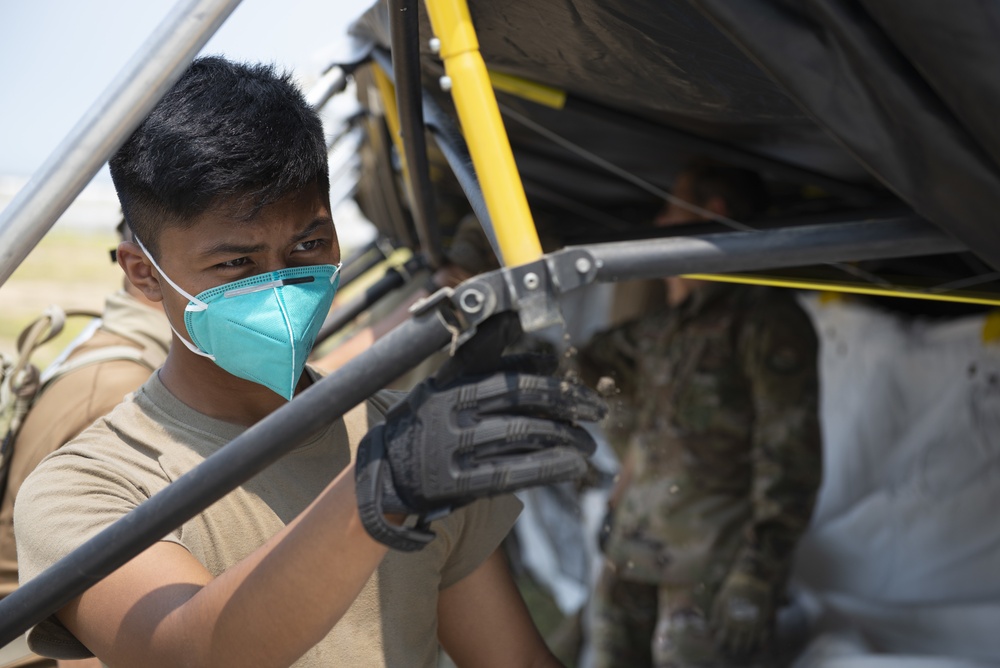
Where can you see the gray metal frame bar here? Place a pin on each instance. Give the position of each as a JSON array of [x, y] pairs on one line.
[[333, 81], [106, 125], [232, 465], [433, 325], [452, 145], [768, 249], [406, 78]]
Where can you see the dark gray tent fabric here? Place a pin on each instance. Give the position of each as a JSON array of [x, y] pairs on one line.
[[909, 88], [894, 95], [956, 52], [659, 62]]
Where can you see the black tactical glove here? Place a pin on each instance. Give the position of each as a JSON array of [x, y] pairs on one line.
[[484, 425]]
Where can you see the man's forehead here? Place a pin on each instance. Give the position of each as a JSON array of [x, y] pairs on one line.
[[247, 208], [214, 231]]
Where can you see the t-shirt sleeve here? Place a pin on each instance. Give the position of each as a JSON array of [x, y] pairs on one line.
[[52, 518], [480, 529]]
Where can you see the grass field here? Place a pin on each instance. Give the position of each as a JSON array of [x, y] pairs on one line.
[[71, 269]]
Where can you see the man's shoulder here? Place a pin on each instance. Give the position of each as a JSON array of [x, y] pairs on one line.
[[105, 439], [100, 460], [93, 381], [138, 443], [100, 339]]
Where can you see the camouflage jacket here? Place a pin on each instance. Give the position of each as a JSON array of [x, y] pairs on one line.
[[719, 405]]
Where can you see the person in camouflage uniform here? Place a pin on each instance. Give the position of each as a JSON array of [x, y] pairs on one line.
[[719, 402]]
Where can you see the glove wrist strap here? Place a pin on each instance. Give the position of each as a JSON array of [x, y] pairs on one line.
[[371, 468]]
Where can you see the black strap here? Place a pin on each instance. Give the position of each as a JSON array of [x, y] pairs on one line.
[[370, 480]]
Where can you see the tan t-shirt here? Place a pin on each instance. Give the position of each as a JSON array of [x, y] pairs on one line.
[[74, 400], [153, 438]]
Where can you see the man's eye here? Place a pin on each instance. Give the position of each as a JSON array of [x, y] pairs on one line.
[[312, 244], [232, 264]]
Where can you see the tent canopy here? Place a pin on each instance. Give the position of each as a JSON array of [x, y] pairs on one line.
[[856, 108]]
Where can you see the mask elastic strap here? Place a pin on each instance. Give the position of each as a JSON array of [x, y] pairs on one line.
[[197, 304], [190, 346]]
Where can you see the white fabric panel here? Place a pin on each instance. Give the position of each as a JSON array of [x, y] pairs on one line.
[[905, 546], [849, 650]]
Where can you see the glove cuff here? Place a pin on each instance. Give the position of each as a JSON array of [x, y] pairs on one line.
[[372, 477]]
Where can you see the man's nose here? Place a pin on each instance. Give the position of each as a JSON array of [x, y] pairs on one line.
[[274, 263]]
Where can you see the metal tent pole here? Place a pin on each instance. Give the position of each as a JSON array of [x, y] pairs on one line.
[[436, 321], [479, 116], [765, 249], [406, 74], [106, 125], [393, 279], [238, 461], [452, 145]]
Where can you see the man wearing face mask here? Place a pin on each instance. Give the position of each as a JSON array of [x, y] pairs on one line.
[[225, 188], [719, 413]]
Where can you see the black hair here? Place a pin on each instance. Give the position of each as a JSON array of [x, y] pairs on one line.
[[742, 190], [226, 134]]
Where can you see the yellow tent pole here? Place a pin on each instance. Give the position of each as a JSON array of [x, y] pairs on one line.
[[526, 89], [388, 93], [849, 288], [484, 132]]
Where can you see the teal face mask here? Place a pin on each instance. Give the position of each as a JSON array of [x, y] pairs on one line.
[[260, 328]]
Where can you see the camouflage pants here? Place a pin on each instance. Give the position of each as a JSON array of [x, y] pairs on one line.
[[639, 624]]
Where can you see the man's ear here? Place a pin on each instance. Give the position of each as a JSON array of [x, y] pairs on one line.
[[139, 270], [717, 205]]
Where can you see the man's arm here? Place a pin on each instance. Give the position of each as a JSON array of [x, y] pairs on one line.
[[483, 622], [79, 663], [779, 352], [164, 609], [780, 356], [283, 598]]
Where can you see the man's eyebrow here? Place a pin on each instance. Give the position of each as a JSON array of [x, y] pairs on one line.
[[312, 227], [229, 248]]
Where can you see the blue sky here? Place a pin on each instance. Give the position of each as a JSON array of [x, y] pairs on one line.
[[57, 56]]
